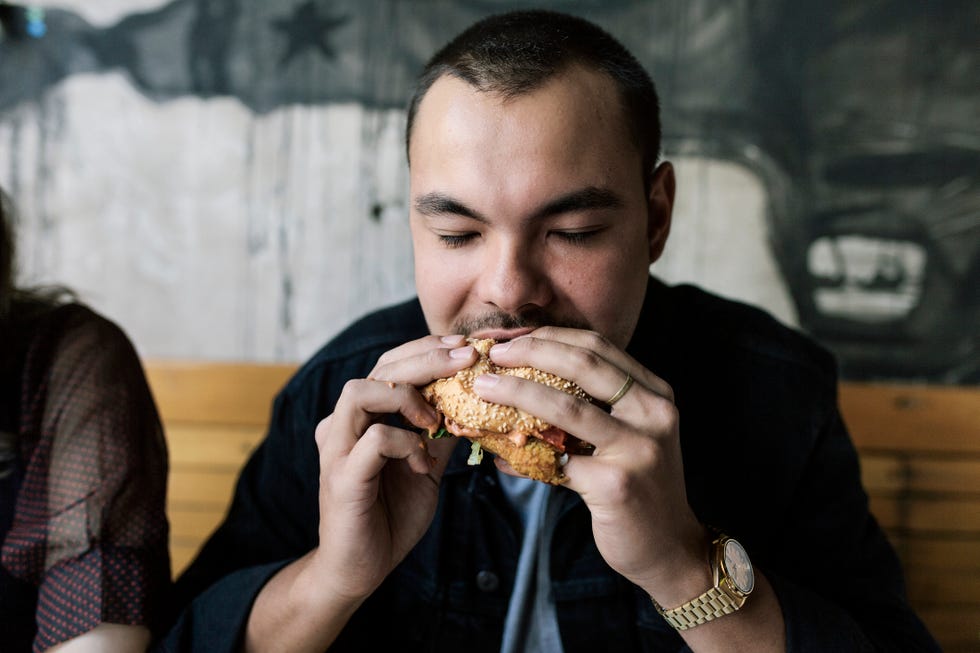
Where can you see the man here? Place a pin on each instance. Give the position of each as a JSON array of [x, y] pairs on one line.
[[537, 207]]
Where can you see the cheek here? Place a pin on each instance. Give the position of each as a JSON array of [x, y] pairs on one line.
[[606, 289], [605, 274], [593, 287], [442, 283]]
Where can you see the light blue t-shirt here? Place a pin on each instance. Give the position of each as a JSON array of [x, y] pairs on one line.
[[532, 624]]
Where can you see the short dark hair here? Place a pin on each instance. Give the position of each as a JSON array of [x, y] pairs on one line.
[[515, 53]]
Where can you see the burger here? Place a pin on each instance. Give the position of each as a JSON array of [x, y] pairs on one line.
[[527, 443]]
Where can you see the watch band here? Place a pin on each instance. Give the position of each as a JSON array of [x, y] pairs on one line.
[[724, 598], [712, 604]]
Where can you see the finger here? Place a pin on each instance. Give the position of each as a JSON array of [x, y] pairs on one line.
[[577, 355], [414, 347], [425, 365], [382, 443], [572, 414], [596, 342], [360, 404], [608, 473], [599, 377], [420, 346], [583, 474]]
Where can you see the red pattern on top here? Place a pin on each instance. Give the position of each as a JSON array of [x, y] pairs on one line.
[[90, 529]]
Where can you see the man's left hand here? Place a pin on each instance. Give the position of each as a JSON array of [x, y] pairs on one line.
[[633, 483]]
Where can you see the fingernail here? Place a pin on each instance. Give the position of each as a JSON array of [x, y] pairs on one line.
[[485, 381], [452, 340], [461, 352], [500, 348]]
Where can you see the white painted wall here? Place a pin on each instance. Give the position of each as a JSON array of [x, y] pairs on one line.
[[187, 221], [208, 231]]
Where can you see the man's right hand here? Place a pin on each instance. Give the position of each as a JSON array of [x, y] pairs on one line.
[[373, 509], [379, 486]]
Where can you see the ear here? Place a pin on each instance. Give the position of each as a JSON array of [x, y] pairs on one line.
[[660, 205]]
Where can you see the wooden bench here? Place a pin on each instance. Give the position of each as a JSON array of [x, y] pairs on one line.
[[920, 459], [919, 447], [214, 415]]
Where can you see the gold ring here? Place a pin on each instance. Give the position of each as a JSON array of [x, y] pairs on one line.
[[627, 384]]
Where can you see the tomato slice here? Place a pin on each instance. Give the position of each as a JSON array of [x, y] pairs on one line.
[[555, 437]]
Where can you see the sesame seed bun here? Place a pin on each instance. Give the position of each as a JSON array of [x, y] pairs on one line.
[[511, 433]]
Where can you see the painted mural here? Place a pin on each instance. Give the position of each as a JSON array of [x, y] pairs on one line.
[[226, 177]]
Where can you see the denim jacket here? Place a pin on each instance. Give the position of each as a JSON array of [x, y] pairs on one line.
[[767, 459]]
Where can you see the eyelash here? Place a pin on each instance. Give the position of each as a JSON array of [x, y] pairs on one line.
[[576, 237], [453, 241]]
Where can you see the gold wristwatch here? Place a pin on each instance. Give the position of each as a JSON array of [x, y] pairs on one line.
[[733, 582]]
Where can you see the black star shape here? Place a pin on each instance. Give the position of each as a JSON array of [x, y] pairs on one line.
[[306, 29]]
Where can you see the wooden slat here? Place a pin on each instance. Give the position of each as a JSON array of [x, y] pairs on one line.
[[884, 472], [887, 510], [943, 586], [181, 554], [200, 487], [945, 475], [214, 445], [929, 553], [223, 393], [913, 418], [890, 472], [192, 524], [950, 515]]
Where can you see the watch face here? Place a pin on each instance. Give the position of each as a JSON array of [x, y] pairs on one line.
[[739, 567]]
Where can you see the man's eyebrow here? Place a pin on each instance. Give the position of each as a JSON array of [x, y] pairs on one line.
[[435, 203], [585, 199]]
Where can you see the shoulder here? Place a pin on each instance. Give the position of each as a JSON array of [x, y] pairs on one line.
[[63, 342], [92, 329], [40, 324], [84, 340], [727, 329], [80, 366], [753, 330], [718, 352]]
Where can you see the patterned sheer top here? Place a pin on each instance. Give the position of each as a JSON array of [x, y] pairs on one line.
[[83, 467]]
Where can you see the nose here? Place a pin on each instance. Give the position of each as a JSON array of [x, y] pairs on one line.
[[513, 279]]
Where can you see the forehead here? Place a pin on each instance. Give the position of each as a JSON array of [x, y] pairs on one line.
[[574, 118]]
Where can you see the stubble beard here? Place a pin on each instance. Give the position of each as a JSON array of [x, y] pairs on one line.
[[531, 319]]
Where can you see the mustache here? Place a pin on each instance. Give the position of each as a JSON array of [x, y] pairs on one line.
[[530, 319]]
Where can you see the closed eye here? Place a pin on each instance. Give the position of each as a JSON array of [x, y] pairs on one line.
[[576, 237], [452, 241]]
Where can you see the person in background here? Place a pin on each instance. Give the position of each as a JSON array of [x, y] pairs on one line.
[[722, 508], [84, 563]]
